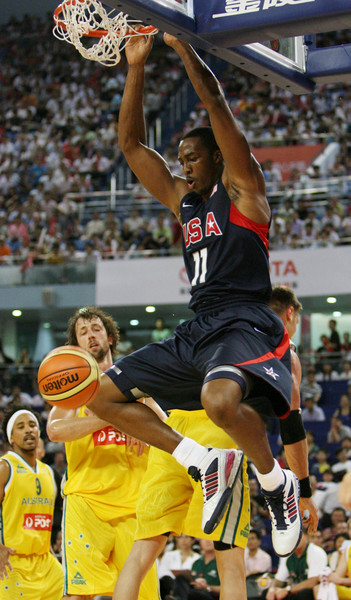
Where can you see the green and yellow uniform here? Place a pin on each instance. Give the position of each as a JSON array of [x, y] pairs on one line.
[[99, 521], [171, 501], [27, 512]]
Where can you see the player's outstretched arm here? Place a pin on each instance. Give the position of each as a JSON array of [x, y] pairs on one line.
[[149, 167], [65, 426], [242, 175]]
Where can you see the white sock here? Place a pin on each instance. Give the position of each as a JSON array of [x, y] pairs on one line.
[[272, 480], [189, 453]]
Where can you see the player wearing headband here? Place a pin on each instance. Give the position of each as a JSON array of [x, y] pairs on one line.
[[28, 570]]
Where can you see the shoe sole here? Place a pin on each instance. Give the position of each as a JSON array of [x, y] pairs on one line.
[[219, 511]]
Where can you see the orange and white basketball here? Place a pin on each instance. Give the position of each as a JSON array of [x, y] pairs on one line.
[[68, 377]]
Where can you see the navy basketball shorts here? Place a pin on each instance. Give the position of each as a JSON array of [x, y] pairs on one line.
[[250, 339]]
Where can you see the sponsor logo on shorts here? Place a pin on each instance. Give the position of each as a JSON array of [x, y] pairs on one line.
[[109, 436], [78, 579], [37, 522]]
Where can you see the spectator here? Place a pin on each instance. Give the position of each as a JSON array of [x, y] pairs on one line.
[[326, 497], [95, 226], [316, 538], [340, 577], [323, 351], [309, 385], [160, 331], [337, 524], [333, 557], [328, 373], [205, 584], [134, 221], [162, 233], [344, 410], [298, 573], [343, 464], [346, 366], [182, 558], [256, 559], [4, 359], [5, 251], [312, 447], [125, 346], [312, 412], [334, 337], [19, 397], [321, 465], [337, 431]]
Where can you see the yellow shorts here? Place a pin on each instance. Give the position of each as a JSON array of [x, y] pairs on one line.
[[171, 501], [94, 551], [344, 592], [34, 577]]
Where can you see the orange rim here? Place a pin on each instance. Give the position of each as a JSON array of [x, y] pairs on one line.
[[98, 33]]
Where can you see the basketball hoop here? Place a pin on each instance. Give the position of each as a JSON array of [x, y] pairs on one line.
[[77, 20]]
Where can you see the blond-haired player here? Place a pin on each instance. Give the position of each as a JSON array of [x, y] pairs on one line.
[[102, 482], [28, 569]]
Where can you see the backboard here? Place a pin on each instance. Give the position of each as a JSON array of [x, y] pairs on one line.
[[263, 37]]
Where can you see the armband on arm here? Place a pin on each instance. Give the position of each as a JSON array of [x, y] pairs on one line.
[[292, 429]]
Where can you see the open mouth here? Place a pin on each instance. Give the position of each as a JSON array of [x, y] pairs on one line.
[[190, 183]]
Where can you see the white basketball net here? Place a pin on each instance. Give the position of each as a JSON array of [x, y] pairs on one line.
[[87, 20]]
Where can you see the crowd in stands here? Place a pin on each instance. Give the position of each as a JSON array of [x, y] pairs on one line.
[[59, 136]]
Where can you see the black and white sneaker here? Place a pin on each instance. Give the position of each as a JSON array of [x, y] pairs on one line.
[[218, 473], [283, 506]]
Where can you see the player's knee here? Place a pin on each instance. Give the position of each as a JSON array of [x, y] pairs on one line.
[[219, 398]]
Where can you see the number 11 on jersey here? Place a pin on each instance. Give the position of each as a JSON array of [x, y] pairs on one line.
[[200, 260]]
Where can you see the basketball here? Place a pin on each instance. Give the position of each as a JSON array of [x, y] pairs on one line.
[[68, 377]]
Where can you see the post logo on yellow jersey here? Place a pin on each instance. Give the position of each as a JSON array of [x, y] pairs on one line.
[[109, 436], [38, 522]]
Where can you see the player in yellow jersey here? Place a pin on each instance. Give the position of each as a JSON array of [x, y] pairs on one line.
[[102, 480], [170, 501], [28, 569]]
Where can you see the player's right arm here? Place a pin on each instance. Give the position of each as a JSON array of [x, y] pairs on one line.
[[148, 166], [5, 552], [65, 426]]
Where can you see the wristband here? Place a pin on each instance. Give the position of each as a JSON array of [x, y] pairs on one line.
[[288, 588], [209, 588], [305, 488]]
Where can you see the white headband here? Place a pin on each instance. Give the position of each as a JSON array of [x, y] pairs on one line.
[[14, 417]]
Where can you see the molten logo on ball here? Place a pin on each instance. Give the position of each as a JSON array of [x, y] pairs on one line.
[[69, 377], [58, 384]]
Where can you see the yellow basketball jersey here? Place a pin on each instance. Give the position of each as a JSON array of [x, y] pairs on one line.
[[28, 506], [104, 471]]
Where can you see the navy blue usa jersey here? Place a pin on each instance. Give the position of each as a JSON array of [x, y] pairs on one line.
[[225, 253]]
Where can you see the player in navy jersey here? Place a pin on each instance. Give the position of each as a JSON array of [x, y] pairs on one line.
[[235, 348]]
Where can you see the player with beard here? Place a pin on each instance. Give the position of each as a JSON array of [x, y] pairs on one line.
[[27, 496], [102, 479]]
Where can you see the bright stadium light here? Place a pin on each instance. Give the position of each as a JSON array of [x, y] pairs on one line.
[[134, 322], [150, 309], [16, 313], [331, 300]]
